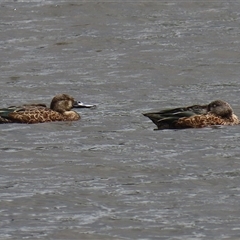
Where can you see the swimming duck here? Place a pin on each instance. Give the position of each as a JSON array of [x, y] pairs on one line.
[[217, 112], [60, 110]]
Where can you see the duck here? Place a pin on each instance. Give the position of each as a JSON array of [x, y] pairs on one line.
[[218, 112], [60, 110]]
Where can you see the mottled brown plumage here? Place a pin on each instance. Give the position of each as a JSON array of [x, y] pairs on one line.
[[216, 113], [60, 110], [199, 121]]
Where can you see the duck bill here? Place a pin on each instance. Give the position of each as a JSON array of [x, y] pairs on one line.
[[78, 104]]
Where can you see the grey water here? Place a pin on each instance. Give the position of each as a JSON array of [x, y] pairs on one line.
[[110, 175]]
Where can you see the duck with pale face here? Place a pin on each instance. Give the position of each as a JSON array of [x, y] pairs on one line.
[[60, 110]]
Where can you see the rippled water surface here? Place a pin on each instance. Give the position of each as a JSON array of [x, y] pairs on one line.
[[109, 175]]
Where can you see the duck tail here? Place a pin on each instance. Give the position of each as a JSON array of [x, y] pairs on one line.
[[4, 112], [167, 119]]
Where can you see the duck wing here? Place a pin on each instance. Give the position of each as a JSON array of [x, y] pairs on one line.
[[167, 118], [28, 114]]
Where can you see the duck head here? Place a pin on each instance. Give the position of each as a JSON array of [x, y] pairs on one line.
[[62, 102], [220, 108]]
